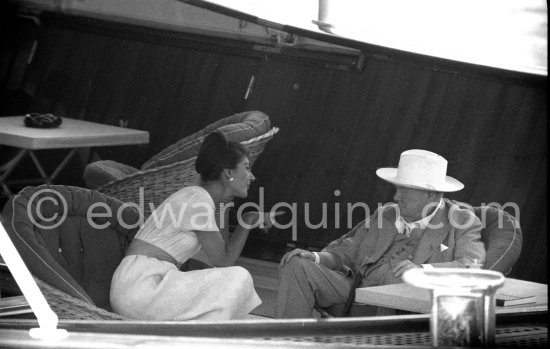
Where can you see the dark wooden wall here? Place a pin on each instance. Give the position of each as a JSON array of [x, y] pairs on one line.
[[338, 123]]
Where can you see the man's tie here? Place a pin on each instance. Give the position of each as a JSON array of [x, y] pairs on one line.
[[408, 227]]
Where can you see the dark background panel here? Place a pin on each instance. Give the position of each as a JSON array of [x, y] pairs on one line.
[[338, 123]]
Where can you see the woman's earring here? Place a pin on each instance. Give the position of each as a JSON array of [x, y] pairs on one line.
[[231, 179]]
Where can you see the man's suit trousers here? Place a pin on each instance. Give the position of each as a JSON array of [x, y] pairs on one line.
[[305, 285]]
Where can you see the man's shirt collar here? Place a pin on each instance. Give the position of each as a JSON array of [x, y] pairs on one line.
[[404, 227]]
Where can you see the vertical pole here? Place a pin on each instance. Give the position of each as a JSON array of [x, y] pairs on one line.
[[47, 319]]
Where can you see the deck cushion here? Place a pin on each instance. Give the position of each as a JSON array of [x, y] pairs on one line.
[[102, 172], [64, 245]]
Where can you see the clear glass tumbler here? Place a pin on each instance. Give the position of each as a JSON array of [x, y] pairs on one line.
[[463, 304]]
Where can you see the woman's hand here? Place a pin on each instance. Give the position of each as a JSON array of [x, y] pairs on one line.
[[263, 220], [297, 253]]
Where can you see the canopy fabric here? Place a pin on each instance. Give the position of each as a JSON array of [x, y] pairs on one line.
[[505, 34]]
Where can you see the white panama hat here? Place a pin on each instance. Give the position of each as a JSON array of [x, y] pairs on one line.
[[421, 169]]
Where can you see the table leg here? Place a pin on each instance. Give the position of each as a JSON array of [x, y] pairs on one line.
[[8, 168], [48, 179], [63, 163], [39, 167]]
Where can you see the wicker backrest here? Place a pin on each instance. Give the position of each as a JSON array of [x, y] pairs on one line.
[[67, 307], [154, 186], [239, 127]]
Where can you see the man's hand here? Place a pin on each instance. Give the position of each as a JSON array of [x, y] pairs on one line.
[[296, 253], [403, 266]]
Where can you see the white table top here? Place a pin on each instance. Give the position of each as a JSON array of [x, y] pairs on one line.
[[410, 298], [71, 134]]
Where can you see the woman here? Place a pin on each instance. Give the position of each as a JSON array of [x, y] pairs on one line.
[[148, 284]]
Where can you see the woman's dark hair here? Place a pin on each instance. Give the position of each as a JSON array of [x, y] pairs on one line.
[[217, 153]]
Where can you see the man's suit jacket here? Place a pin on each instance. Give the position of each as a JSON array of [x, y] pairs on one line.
[[452, 240]]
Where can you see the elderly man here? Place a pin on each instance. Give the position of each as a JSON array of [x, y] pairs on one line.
[[420, 230]]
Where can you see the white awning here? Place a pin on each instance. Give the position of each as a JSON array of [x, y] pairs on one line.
[[505, 34]]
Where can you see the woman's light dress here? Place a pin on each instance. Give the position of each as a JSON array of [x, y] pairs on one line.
[[149, 289]]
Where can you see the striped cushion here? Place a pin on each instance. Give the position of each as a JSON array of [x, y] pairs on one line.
[[102, 172]]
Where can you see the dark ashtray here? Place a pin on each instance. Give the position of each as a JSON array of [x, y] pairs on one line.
[[38, 120]]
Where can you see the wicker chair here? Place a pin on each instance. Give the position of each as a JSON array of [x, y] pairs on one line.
[[239, 127], [155, 185], [73, 256], [149, 188], [68, 307]]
